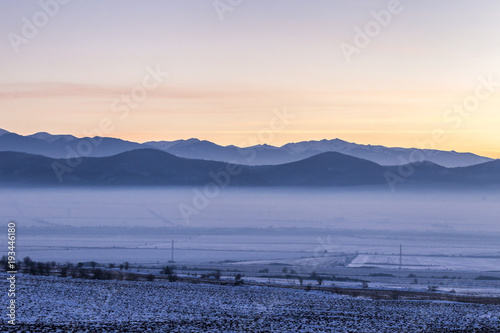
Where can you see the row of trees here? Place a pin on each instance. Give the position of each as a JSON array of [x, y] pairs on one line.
[[291, 276], [29, 266]]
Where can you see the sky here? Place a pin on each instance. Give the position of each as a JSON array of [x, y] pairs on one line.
[[396, 73]]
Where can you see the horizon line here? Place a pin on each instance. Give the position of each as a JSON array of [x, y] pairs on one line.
[[260, 144]]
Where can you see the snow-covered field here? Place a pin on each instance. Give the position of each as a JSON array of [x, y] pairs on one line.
[[250, 230], [50, 304], [138, 225], [434, 262]]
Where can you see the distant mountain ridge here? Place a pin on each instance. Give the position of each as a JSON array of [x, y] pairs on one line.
[[2, 132], [152, 167], [61, 146]]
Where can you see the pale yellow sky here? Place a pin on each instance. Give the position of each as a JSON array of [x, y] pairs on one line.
[[225, 77]]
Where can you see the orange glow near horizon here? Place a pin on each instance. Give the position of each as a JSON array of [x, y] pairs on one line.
[[236, 117]]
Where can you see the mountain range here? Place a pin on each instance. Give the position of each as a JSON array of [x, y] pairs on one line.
[[152, 167], [63, 146], [43, 159]]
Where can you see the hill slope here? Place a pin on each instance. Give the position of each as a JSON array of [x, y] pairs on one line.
[[138, 167], [148, 167], [326, 169]]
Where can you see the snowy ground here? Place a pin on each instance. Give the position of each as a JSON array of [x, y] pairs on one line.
[[428, 262], [50, 304], [303, 227]]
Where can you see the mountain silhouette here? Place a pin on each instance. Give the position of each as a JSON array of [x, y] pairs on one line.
[[64, 146], [151, 167]]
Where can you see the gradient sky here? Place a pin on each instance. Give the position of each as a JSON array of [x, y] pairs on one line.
[[226, 77]]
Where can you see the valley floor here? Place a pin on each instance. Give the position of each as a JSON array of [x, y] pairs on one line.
[[52, 304]]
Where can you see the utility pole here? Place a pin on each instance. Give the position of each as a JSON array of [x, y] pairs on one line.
[[172, 260], [401, 256]]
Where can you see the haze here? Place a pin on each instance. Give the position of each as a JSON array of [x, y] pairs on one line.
[[248, 224]]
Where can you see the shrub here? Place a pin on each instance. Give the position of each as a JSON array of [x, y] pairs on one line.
[[381, 275], [319, 279], [432, 288], [238, 280], [169, 271], [301, 279], [64, 271], [487, 278]]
